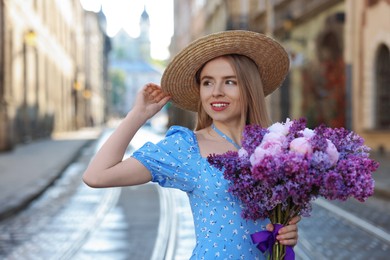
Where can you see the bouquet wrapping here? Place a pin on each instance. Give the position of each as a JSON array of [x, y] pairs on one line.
[[281, 169]]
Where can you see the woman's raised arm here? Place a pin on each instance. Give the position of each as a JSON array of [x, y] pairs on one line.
[[107, 168]]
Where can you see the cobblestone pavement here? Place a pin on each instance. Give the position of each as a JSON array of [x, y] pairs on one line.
[[73, 221], [121, 236], [185, 229], [55, 225], [375, 211], [129, 230], [347, 230]]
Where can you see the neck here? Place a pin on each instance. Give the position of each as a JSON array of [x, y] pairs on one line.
[[234, 130], [230, 134]]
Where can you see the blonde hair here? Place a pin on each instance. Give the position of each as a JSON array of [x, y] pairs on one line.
[[253, 106]]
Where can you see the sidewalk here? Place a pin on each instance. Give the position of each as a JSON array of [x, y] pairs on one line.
[[382, 175], [30, 168]]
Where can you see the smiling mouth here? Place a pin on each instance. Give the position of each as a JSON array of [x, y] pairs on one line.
[[219, 105]]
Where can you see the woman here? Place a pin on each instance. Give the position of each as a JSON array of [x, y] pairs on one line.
[[225, 78]]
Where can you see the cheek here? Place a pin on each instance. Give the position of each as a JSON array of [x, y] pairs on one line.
[[235, 94], [202, 98], [204, 93]]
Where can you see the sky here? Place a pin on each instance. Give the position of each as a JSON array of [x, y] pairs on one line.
[[126, 14]]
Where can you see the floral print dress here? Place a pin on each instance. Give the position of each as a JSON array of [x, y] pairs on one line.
[[221, 233]]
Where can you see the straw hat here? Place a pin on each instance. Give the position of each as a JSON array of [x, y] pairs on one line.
[[179, 77]]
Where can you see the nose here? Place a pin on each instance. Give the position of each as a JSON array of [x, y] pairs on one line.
[[218, 90]]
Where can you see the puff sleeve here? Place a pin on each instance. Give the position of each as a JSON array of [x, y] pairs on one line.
[[172, 162]]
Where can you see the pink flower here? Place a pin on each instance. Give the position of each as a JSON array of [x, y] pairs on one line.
[[301, 145], [258, 155], [332, 152], [272, 137], [271, 145]]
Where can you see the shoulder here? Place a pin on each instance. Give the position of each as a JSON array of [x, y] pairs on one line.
[[179, 138], [180, 132]]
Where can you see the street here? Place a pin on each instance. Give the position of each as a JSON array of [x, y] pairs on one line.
[[73, 221], [71, 70]]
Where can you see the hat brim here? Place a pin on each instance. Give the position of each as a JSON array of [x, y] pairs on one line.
[[179, 81]]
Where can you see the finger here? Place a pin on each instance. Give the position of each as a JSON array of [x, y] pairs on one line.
[[289, 238], [164, 100], [155, 90], [287, 235], [295, 220], [154, 94], [269, 227], [150, 90], [151, 87], [288, 228], [289, 242], [161, 95]]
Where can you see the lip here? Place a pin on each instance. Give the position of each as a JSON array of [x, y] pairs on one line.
[[219, 106]]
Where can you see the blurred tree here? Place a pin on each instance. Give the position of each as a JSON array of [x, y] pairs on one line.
[[118, 82]]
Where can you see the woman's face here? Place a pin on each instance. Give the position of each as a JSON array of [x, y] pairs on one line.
[[220, 92]]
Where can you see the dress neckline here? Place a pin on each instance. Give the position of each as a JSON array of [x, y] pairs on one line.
[[227, 138]]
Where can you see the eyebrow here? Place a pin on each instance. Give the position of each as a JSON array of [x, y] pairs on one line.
[[226, 77]]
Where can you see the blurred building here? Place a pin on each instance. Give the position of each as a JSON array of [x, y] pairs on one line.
[[339, 49], [131, 57], [96, 89], [368, 70], [53, 72]]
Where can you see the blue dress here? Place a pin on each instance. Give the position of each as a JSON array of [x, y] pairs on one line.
[[221, 233]]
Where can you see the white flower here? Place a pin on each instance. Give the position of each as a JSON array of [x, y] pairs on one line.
[[301, 145], [242, 153], [332, 152], [281, 128], [308, 133]]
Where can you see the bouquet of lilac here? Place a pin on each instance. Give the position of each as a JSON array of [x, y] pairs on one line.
[[279, 170]]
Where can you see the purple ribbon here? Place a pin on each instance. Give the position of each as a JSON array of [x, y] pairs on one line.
[[266, 239]]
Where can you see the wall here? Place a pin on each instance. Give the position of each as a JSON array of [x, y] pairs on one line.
[[43, 67]]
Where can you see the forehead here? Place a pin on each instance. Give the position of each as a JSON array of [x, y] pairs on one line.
[[220, 64]]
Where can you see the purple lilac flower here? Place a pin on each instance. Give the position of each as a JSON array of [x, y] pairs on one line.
[[252, 136], [347, 141], [320, 161], [293, 179], [227, 160], [296, 128], [318, 141]]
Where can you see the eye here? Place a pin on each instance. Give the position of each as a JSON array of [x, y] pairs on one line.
[[206, 83], [231, 82]]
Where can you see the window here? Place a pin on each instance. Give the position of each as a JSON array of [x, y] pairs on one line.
[[382, 85]]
